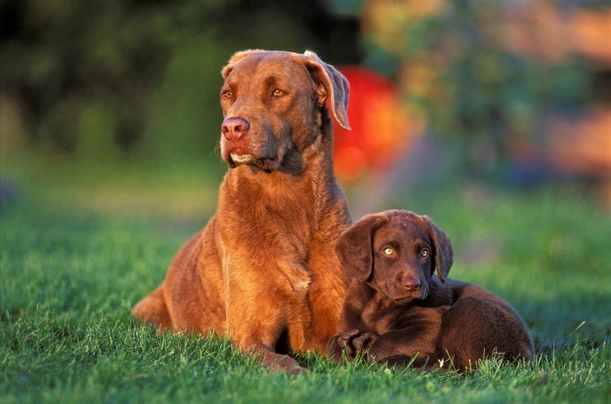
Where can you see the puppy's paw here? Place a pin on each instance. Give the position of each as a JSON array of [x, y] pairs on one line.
[[341, 345], [363, 342]]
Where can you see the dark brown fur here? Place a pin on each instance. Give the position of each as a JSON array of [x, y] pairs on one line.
[[397, 311], [264, 269]]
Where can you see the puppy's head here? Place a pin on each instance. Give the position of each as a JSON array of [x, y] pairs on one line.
[[274, 105], [396, 252]]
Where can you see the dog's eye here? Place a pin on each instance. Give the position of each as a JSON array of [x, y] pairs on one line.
[[424, 252], [227, 95], [278, 93], [388, 251]]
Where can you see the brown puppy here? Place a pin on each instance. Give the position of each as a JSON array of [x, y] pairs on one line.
[[264, 269], [397, 311]]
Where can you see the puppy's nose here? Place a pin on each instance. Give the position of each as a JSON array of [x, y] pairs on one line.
[[234, 128], [411, 283]]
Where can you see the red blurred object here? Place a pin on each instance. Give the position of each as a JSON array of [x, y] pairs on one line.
[[380, 127]]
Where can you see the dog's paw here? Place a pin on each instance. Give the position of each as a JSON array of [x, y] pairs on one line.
[[351, 343], [363, 342], [341, 345]]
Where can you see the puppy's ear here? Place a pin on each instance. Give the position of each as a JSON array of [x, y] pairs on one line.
[[355, 246], [235, 58], [331, 84], [444, 255]]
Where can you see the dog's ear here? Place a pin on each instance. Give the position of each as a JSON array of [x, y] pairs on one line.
[[443, 254], [235, 58], [355, 246], [332, 85]]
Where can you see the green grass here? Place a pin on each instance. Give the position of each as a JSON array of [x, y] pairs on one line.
[[69, 280]]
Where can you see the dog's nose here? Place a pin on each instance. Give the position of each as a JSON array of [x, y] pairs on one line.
[[411, 284], [234, 128]]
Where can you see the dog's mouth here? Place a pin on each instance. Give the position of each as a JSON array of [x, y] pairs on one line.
[[407, 298], [266, 164]]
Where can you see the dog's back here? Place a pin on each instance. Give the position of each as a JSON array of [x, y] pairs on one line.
[[480, 325]]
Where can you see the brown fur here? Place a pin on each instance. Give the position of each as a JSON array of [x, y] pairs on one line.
[[397, 311], [264, 269]]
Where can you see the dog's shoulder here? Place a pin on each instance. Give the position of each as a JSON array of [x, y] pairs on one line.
[[446, 293]]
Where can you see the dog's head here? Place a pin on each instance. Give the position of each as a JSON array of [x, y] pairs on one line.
[[396, 252], [274, 106]]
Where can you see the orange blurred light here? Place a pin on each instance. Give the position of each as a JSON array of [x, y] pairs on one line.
[[381, 130]]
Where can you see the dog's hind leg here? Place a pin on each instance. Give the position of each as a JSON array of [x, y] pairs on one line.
[[153, 309]]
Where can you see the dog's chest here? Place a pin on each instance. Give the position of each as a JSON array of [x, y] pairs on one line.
[[269, 247], [275, 230]]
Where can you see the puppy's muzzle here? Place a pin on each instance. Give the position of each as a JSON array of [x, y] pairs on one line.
[[411, 283], [411, 288]]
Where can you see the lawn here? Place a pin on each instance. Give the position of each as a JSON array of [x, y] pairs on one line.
[[69, 278]]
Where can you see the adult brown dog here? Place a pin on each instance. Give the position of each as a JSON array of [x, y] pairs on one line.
[[396, 311], [264, 269]]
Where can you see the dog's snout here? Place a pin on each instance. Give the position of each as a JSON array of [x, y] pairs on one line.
[[234, 128], [411, 283]]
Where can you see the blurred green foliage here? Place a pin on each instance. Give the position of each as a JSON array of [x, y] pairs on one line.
[[110, 80], [459, 67]]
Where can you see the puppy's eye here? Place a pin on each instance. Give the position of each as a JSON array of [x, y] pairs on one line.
[[227, 95], [425, 252], [388, 251], [278, 93]]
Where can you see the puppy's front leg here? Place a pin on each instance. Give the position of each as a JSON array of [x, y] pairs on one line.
[[406, 344]]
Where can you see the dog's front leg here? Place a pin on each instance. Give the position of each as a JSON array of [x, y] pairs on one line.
[[257, 315], [410, 343], [258, 337]]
